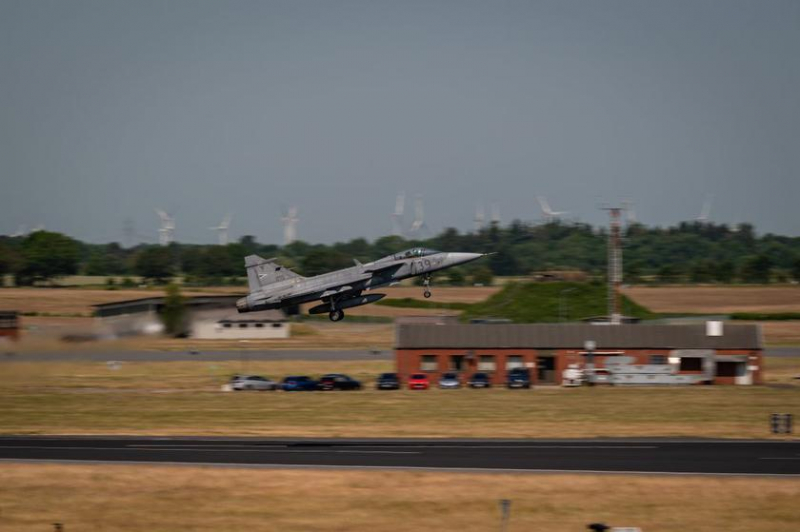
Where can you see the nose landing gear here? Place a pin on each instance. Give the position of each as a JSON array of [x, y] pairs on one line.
[[426, 282]]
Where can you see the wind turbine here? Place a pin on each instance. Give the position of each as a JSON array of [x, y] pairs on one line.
[[705, 212], [167, 229], [222, 229], [289, 220], [549, 213], [419, 217], [480, 218], [397, 215]]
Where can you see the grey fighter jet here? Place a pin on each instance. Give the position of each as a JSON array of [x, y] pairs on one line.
[[273, 286]]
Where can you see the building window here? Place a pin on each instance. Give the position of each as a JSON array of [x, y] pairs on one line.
[[457, 362], [226, 325], [730, 369], [658, 359], [242, 325], [691, 364], [514, 361], [428, 363], [277, 325], [486, 363], [259, 325]]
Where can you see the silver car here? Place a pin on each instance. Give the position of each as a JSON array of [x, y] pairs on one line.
[[253, 382], [449, 381]]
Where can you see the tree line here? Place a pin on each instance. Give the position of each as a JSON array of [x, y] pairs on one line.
[[688, 252]]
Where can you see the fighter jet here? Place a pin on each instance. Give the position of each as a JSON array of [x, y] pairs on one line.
[[272, 286]]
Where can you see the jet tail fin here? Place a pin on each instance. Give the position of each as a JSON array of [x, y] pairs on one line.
[[262, 272]]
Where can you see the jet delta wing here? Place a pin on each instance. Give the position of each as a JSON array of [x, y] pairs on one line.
[[273, 286]]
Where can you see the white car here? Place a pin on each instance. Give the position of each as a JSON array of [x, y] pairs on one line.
[[449, 381], [253, 382]]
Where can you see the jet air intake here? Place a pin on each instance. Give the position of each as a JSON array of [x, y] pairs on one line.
[[347, 303]]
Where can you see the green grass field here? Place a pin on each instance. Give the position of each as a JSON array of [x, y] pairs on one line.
[[184, 398]]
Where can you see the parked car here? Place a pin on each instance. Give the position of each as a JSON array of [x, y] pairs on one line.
[[299, 383], [338, 381], [518, 378], [388, 381], [418, 381], [449, 381], [252, 382], [480, 380]]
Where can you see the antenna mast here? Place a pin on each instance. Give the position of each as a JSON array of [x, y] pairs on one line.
[[614, 266]]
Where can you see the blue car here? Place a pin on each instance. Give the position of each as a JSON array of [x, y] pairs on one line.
[[299, 384]]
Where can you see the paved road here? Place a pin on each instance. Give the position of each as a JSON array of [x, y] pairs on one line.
[[607, 455], [280, 354], [209, 356]]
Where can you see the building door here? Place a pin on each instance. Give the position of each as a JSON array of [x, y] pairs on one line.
[[457, 362], [546, 370]]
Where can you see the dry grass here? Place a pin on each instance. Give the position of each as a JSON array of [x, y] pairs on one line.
[[173, 398], [725, 300], [717, 299], [162, 498], [80, 300], [66, 301], [780, 332]]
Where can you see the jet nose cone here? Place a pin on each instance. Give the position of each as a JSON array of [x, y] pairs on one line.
[[462, 258]]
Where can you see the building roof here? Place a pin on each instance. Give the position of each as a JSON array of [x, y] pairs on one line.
[[220, 308], [155, 303], [573, 336], [159, 300]]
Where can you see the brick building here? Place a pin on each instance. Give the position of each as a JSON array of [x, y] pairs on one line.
[[9, 324], [624, 354]]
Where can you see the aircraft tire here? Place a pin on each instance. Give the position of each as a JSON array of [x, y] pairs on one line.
[[336, 315], [427, 294]]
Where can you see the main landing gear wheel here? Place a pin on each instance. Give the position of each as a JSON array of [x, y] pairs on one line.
[[336, 315]]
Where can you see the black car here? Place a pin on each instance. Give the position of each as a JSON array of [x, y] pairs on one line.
[[518, 378], [338, 381], [388, 381], [480, 380]]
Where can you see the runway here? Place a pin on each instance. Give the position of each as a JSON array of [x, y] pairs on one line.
[[654, 456]]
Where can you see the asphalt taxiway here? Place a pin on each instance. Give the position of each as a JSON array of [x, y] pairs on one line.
[[649, 456]]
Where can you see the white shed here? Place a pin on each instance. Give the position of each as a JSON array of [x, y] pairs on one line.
[[226, 324]]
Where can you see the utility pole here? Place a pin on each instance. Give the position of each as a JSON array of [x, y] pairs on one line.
[[614, 265]]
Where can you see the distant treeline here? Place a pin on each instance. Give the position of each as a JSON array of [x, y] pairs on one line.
[[689, 252]]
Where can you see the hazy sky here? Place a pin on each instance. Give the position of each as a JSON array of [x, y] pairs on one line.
[[109, 109]]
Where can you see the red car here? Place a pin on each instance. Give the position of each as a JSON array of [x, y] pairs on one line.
[[418, 381]]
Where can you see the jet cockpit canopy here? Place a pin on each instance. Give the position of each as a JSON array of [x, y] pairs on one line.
[[413, 253]]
